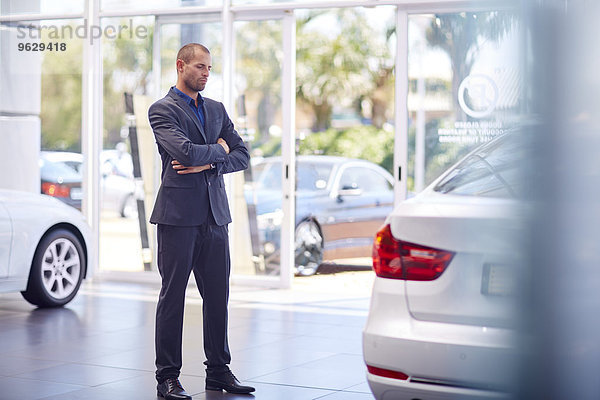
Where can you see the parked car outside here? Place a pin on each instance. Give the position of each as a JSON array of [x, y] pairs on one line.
[[44, 247], [118, 187], [340, 204], [59, 180], [450, 267], [119, 190]]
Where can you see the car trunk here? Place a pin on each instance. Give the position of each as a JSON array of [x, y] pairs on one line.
[[481, 284]]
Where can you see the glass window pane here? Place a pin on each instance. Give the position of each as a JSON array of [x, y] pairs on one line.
[[174, 36], [47, 7], [345, 111], [268, 175], [127, 66], [363, 179], [350, 179], [258, 119], [312, 176], [239, 2], [61, 84], [464, 87], [61, 103], [141, 5]]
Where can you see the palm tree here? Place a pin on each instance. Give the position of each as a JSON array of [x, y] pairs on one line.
[[461, 37], [259, 61], [331, 71]]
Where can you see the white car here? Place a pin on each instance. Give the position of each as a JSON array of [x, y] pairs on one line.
[[44, 248], [442, 319]]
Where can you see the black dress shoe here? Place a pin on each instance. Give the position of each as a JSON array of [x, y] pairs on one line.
[[171, 389], [228, 382]]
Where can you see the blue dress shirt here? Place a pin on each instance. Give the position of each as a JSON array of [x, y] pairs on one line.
[[199, 111]]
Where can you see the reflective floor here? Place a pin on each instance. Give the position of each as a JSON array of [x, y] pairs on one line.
[[295, 344]]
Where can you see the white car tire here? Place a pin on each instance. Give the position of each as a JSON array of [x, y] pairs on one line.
[[57, 270]]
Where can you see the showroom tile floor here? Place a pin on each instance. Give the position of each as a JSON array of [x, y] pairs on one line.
[[298, 344]]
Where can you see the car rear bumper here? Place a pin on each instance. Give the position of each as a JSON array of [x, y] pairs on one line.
[[392, 389], [442, 360]]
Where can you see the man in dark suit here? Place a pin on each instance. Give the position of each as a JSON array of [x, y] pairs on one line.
[[197, 144]]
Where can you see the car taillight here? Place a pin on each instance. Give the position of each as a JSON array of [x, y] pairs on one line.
[[387, 373], [56, 190], [396, 259]]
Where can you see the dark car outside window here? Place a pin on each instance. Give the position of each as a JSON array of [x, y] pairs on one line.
[[309, 176], [312, 176], [365, 179]]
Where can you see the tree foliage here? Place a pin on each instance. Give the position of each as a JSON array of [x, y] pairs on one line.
[[127, 64], [338, 70], [259, 62], [61, 98], [363, 141]]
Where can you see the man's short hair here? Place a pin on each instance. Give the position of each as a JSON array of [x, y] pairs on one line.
[[186, 53]]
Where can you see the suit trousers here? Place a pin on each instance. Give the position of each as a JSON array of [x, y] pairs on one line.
[[203, 249]]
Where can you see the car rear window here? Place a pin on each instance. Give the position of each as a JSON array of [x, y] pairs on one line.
[[494, 170], [55, 171]]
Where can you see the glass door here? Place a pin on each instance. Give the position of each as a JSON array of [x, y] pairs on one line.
[[260, 231], [345, 122], [247, 77]]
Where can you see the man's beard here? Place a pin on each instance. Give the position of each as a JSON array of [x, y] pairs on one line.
[[195, 85]]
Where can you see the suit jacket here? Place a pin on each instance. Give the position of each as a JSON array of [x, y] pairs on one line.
[[185, 200]]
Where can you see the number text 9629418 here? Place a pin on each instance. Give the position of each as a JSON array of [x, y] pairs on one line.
[[42, 46]]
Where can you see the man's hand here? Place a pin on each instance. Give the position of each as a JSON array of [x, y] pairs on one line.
[[223, 143], [182, 169]]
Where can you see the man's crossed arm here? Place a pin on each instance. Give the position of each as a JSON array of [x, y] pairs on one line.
[[182, 169]]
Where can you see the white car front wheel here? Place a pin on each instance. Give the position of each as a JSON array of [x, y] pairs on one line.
[[56, 271]]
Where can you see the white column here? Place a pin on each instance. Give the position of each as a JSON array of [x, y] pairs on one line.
[[20, 104], [156, 162], [91, 130], [156, 61], [420, 137], [228, 56], [401, 108], [288, 148]]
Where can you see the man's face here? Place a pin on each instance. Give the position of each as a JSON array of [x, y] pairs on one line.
[[195, 73]]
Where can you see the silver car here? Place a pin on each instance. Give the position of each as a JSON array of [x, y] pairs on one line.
[[450, 266]]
